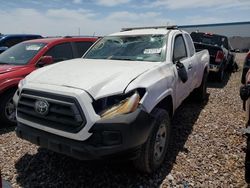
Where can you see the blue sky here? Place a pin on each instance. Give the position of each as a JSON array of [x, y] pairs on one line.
[[101, 17]]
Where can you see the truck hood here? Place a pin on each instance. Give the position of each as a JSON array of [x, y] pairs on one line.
[[99, 78], [9, 68]]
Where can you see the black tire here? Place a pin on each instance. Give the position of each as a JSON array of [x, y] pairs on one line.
[[5, 112], [220, 75], [247, 162], [149, 160], [200, 93]]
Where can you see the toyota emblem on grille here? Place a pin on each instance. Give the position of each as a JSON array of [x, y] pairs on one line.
[[42, 107]]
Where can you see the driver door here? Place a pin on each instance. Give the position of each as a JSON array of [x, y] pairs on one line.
[[180, 54]]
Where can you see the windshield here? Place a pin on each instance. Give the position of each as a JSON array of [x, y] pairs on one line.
[[20, 54], [133, 48]]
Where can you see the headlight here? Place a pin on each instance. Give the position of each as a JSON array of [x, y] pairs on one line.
[[125, 106]]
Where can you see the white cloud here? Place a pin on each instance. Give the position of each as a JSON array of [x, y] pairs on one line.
[[110, 3], [128, 19], [68, 21], [77, 1], [180, 4], [128, 16]]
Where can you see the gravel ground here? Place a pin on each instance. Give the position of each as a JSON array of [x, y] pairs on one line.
[[207, 151]]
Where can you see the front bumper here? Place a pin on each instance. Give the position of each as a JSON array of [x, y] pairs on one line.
[[116, 136]]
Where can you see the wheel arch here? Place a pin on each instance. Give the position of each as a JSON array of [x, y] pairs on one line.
[[8, 85], [167, 104], [9, 89]]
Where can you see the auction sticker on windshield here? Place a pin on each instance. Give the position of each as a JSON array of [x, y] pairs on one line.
[[33, 47], [152, 51]]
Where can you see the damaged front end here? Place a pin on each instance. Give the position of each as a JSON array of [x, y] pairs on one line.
[[112, 106]]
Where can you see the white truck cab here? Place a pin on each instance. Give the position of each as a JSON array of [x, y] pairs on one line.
[[118, 99]]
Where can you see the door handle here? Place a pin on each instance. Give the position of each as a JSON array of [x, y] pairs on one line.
[[190, 66]]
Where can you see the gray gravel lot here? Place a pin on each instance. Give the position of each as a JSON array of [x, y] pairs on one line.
[[207, 151]]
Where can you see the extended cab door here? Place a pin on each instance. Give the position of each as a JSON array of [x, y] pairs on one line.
[[193, 62], [180, 54]]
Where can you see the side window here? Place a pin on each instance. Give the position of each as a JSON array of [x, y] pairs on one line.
[[190, 44], [12, 41], [82, 47], [180, 51], [60, 52]]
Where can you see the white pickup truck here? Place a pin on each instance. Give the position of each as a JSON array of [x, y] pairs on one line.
[[116, 101]]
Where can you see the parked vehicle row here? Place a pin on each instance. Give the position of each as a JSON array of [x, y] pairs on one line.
[[6, 41], [117, 100], [23, 58], [222, 55]]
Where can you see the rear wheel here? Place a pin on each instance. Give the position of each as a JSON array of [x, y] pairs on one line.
[[154, 150], [220, 74], [7, 109]]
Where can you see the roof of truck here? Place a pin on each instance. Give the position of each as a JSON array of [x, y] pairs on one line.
[[159, 31], [146, 30]]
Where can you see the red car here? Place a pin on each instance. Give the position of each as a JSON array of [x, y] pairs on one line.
[[23, 58]]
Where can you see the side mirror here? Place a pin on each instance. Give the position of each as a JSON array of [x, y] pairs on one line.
[[244, 95], [182, 72], [45, 60]]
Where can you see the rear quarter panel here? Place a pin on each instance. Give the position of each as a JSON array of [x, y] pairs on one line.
[[203, 58]]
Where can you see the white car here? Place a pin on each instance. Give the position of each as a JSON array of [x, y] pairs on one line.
[[115, 101]]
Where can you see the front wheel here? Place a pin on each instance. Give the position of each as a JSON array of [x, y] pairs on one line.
[[154, 150], [7, 109]]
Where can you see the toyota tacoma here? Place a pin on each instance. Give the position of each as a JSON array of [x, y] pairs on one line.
[[117, 100]]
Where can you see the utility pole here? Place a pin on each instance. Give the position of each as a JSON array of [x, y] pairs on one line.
[[79, 31]]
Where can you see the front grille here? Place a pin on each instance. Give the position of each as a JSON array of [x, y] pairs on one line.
[[64, 113]]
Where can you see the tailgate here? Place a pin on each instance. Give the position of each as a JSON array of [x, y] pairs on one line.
[[211, 49]]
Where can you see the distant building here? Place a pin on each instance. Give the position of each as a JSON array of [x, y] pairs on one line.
[[238, 32], [241, 29]]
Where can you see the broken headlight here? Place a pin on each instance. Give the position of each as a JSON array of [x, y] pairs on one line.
[[116, 105]]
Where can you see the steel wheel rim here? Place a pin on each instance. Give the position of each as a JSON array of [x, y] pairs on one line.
[[160, 142], [10, 111]]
